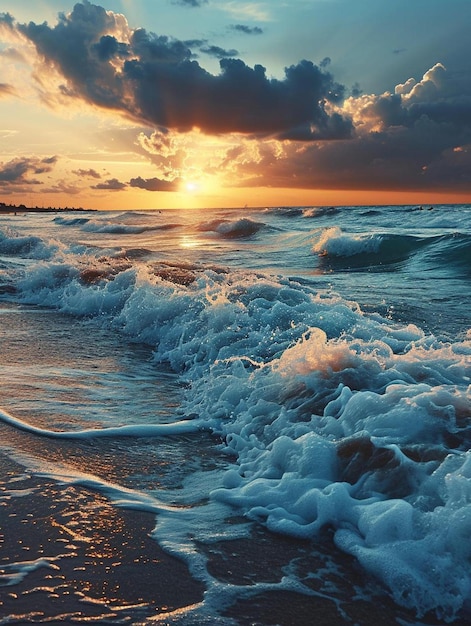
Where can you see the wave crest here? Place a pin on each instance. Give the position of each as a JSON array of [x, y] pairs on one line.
[[337, 248], [243, 227]]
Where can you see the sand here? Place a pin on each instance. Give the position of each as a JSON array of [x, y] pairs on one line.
[[100, 565]]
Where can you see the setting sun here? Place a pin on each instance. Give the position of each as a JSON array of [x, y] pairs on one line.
[[191, 186]]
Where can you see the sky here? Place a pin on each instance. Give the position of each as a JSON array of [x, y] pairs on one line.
[[152, 104]]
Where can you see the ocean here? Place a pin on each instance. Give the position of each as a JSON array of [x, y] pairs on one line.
[[238, 416]]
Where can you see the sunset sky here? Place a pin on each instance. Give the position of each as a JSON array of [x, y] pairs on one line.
[[202, 103]]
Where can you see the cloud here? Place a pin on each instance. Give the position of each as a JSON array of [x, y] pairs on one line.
[[156, 81], [6, 90], [12, 55], [418, 137], [247, 30], [91, 173], [113, 184], [155, 184], [149, 184], [218, 52], [162, 144], [441, 97], [16, 171], [7, 21], [190, 3], [277, 130], [62, 187], [204, 46]]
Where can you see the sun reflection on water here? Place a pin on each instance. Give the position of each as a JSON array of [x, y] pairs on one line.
[[190, 242]]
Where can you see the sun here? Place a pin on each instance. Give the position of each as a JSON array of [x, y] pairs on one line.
[[191, 186]]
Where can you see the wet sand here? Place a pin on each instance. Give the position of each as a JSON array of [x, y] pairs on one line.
[[91, 562], [99, 563]]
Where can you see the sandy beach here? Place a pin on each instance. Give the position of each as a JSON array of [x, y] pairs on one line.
[[68, 557], [85, 558]]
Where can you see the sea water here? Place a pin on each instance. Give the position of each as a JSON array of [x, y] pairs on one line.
[[300, 372]]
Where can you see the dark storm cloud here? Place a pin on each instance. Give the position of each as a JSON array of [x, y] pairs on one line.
[[77, 47], [417, 138], [16, 171], [109, 47], [247, 30], [156, 80], [424, 155], [113, 184], [155, 184], [239, 99]]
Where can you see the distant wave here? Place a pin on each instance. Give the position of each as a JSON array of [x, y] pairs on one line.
[[371, 212], [120, 229], [452, 250], [240, 228], [71, 221], [337, 248], [286, 211], [133, 253], [321, 211], [113, 227], [134, 214]]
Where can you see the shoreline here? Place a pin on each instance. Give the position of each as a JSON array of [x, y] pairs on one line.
[[11, 208], [70, 556]]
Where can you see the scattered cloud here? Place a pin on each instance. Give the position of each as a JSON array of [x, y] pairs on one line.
[[18, 170], [6, 133], [149, 184], [247, 30], [155, 184], [207, 48], [218, 52], [7, 20], [112, 184], [62, 187], [190, 3], [91, 173]]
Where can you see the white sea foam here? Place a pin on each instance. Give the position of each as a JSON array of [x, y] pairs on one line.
[[334, 242], [131, 430], [242, 227]]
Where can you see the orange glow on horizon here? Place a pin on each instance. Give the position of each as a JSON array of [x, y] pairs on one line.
[[199, 198]]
